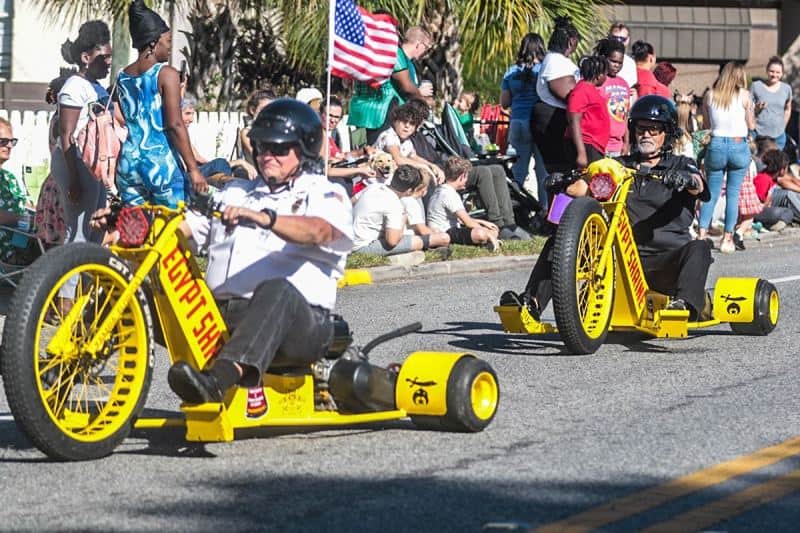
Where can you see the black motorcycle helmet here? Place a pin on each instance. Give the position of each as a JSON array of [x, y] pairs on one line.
[[289, 121], [657, 109]]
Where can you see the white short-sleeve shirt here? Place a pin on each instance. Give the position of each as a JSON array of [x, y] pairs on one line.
[[377, 208], [554, 66], [389, 138], [415, 212], [442, 208], [78, 92], [628, 71], [239, 261]]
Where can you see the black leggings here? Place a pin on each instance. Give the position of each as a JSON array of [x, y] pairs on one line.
[[279, 328], [548, 125]]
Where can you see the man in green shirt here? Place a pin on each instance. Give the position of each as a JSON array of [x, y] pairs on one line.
[[370, 106]]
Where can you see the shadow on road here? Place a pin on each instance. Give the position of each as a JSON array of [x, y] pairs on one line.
[[482, 337]]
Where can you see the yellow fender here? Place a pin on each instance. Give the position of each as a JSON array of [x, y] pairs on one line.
[[734, 299], [422, 382]]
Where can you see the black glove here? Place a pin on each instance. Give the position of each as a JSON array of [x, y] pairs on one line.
[[678, 180]]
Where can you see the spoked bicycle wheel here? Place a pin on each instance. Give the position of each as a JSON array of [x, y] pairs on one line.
[[73, 392], [583, 288]]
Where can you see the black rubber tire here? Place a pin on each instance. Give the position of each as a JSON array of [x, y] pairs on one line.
[[762, 323], [461, 416], [19, 353], [564, 274]]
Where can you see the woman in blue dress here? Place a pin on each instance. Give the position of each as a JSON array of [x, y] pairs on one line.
[[151, 165]]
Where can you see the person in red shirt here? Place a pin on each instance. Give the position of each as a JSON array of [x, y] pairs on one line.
[[617, 93], [773, 216], [645, 57], [588, 121]]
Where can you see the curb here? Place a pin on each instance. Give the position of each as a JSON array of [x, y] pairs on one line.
[[391, 273]]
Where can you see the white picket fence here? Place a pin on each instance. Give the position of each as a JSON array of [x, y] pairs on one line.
[[213, 134]]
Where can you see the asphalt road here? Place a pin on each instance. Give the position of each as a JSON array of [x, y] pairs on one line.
[[571, 433]]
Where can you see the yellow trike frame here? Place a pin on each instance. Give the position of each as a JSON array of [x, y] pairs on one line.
[[635, 306]]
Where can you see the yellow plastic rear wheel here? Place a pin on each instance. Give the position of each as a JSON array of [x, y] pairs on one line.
[[75, 399]]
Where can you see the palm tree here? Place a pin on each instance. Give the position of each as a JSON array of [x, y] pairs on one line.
[[475, 40]]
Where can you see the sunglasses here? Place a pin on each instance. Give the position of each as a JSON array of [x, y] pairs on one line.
[[5, 141], [276, 149], [618, 38], [650, 129]]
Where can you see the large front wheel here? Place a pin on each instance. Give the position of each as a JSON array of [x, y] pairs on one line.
[[75, 400], [583, 284]]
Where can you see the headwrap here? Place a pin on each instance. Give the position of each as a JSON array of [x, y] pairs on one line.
[[145, 24]]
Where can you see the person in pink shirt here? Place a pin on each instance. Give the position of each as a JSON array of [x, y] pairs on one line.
[[645, 57], [617, 93], [587, 118]]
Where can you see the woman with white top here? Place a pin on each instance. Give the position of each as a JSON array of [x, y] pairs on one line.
[[81, 193], [728, 111], [557, 78]]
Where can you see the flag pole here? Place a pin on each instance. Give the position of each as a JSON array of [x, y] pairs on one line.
[[331, 33]]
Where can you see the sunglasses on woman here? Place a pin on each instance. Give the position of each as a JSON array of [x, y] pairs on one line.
[[5, 141]]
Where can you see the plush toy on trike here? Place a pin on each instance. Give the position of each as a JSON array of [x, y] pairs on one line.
[[599, 283]]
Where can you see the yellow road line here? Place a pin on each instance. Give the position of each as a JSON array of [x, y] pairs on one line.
[[677, 488], [733, 505]]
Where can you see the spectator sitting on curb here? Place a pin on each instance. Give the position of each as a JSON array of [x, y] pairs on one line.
[[787, 192], [219, 167], [379, 216], [488, 179], [396, 141], [415, 218], [772, 217], [446, 211]]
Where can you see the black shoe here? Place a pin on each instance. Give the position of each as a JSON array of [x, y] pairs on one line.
[[738, 241], [677, 305], [511, 298], [193, 386]]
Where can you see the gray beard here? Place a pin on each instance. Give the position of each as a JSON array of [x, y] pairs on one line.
[[648, 149]]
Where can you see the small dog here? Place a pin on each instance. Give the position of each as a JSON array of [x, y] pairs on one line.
[[383, 164]]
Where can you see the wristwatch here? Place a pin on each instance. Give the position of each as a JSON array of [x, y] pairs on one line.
[[273, 216]]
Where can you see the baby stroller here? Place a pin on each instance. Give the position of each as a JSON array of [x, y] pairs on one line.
[[26, 247], [449, 139]]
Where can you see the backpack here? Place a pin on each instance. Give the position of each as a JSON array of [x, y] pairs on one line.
[[99, 143]]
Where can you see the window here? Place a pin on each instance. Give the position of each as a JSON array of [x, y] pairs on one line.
[[6, 35]]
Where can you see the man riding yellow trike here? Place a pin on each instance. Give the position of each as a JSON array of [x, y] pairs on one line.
[[622, 258]]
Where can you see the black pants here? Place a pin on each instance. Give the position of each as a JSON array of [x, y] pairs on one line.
[[548, 125], [279, 328], [490, 180], [679, 273]]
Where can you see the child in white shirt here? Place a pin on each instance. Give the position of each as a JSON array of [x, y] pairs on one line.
[[446, 211]]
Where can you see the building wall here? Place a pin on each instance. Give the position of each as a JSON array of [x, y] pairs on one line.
[[36, 43]]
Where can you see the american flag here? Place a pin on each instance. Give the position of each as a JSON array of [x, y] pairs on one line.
[[364, 45]]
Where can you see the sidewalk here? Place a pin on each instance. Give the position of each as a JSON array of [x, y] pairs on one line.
[[384, 274]]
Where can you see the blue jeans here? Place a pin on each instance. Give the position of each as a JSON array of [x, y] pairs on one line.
[[215, 166], [780, 140], [725, 155], [520, 137]]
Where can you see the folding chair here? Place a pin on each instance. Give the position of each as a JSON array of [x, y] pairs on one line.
[[30, 247]]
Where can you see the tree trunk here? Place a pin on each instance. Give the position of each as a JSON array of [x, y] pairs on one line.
[[443, 64], [121, 47]]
